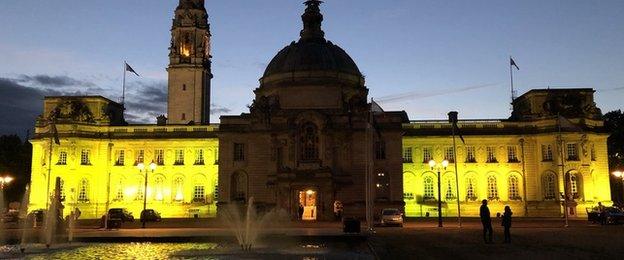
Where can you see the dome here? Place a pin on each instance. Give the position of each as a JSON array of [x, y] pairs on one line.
[[312, 56], [312, 53]]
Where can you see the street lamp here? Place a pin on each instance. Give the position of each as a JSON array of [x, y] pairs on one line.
[[620, 174], [141, 167], [5, 180], [435, 166]]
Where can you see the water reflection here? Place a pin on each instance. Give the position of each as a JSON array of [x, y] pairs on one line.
[[106, 251]]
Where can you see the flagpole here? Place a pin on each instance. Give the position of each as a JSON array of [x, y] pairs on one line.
[[565, 179], [512, 83], [459, 222], [123, 94]]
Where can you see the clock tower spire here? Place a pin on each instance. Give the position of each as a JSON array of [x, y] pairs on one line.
[[189, 65]]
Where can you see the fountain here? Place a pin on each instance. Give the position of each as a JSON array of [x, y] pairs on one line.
[[24, 216], [53, 215], [2, 211], [247, 229]]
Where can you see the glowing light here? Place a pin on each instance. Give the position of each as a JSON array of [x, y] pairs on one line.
[[432, 163], [445, 163], [310, 192], [618, 174], [185, 50]]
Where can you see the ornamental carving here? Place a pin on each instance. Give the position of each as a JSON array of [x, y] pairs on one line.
[[72, 110]]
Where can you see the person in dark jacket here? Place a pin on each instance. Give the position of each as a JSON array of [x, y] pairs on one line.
[[300, 211], [507, 223], [486, 220]]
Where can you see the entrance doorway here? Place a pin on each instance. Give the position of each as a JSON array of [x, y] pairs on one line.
[[307, 200]]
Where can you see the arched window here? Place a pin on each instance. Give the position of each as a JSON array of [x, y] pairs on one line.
[[139, 191], [239, 186], [471, 189], [492, 188], [83, 191], [429, 193], [575, 186], [514, 193], [309, 142], [450, 192], [119, 194], [178, 189], [550, 190], [158, 188]]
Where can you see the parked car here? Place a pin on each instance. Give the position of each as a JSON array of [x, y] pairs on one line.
[[391, 216], [613, 215], [150, 215], [37, 215], [118, 213]]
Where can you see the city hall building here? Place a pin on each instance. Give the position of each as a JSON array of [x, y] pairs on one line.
[[311, 139]]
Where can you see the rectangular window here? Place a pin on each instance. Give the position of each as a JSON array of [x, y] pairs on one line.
[[547, 153], [491, 154], [216, 157], [380, 150], [572, 149], [449, 154], [407, 154], [84, 157], [199, 157], [179, 157], [62, 158], [512, 154], [239, 152], [159, 156], [120, 157], [216, 193], [427, 154], [140, 157], [199, 193], [470, 154], [408, 196]]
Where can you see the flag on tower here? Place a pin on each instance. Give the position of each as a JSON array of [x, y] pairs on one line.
[[513, 63], [130, 69]]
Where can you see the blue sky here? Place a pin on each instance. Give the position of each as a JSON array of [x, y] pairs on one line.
[[424, 50]]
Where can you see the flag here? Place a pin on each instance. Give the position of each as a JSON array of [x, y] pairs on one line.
[[55, 135], [130, 69], [453, 120], [513, 63]]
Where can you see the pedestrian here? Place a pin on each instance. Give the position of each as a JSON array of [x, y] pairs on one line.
[[300, 211], [486, 220], [506, 223], [602, 216]]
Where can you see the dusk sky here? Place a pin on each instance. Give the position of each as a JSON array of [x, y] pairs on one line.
[[435, 55]]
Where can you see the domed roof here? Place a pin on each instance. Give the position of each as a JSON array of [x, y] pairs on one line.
[[312, 56], [312, 52]]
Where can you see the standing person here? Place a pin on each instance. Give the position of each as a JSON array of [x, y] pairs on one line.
[[486, 220], [300, 211], [601, 214], [507, 223]]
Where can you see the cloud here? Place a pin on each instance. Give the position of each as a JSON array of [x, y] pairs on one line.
[[55, 81], [218, 110], [19, 106]]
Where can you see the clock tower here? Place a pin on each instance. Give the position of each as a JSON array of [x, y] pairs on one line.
[[189, 65]]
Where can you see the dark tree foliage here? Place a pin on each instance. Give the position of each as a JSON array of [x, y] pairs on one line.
[[614, 124], [15, 161]]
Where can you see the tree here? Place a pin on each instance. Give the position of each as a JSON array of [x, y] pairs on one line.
[[15, 161], [614, 124]]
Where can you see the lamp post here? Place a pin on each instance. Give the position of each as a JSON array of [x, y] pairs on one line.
[[620, 174], [438, 167], [141, 167]]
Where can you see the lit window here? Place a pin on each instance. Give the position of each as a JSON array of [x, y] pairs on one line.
[[239, 152], [429, 189], [449, 154], [83, 191], [572, 149], [549, 186], [178, 188], [407, 154], [159, 155], [158, 183], [547, 153], [120, 158], [471, 188], [179, 157], [514, 194], [62, 158], [450, 193], [492, 188], [427, 154], [574, 186], [470, 154], [512, 155], [140, 157], [199, 193], [491, 154], [84, 157], [119, 196], [140, 192], [199, 157]]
